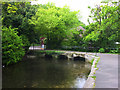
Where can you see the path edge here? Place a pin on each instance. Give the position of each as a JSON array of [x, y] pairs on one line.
[[90, 82]]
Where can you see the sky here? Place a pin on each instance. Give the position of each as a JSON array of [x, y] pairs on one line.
[[74, 5]]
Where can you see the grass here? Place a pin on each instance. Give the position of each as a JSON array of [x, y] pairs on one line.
[[93, 77], [112, 53], [97, 63], [92, 61], [51, 52], [94, 85]]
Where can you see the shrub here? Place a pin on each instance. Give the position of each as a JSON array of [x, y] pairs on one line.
[[114, 51], [101, 50], [12, 46], [26, 43]]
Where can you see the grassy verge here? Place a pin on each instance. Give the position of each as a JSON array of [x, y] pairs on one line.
[[92, 61], [97, 63], [112, 53], [92, 77], [51, 52]]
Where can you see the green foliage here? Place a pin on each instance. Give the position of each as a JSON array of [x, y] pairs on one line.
[[59, 25], [93, 36], [25, 41], [101, 50], [16, 15], [50, 52], [93, 77], [97, 63], [114, 51], [54, 23], [104, 30], [92, 61], [12, 50]]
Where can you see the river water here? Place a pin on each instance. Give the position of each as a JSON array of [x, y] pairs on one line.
[[37, 72]]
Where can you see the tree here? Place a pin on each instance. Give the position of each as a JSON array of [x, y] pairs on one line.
[[105, 29], [17, 15], [54, 23]]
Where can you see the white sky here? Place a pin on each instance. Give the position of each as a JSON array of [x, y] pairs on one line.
[[74, 5]]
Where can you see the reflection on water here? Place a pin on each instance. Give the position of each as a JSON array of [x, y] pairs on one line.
[[45, 73], [79, 82]]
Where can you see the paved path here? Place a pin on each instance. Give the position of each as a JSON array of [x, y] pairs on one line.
[[107, 74]]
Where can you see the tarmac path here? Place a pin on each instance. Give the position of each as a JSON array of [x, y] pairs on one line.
[[107, 74]]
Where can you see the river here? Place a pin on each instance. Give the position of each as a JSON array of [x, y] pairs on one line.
[[37, 72]]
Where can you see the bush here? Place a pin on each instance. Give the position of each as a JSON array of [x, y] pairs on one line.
[[101, 50], [114, 51], [26, 43], [12, 46]]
